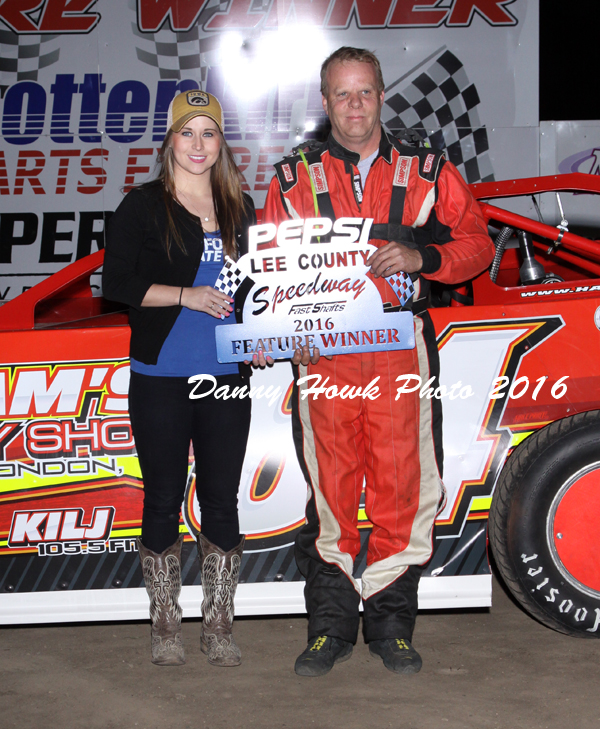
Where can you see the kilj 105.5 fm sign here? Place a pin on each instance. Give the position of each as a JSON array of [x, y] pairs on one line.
[[300, 290]]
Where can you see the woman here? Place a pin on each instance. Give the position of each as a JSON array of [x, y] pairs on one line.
[[165, 247]]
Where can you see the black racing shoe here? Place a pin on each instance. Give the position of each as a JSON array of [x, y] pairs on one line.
[[321, 654], [398, 655]]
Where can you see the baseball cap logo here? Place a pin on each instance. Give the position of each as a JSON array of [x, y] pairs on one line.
[[197, 98]]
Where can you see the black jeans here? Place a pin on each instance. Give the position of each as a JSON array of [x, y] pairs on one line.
[[164, 419]]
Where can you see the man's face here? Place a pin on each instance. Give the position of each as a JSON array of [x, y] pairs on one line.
[[353, 104]]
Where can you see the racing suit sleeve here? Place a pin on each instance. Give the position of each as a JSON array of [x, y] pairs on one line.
[[274, 210], [461, 246], [125, 239]]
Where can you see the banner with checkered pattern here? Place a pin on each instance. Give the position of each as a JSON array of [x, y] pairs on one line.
[[84, 98], [442, 104]]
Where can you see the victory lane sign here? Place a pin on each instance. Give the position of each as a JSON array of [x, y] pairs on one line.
[[309, 292]]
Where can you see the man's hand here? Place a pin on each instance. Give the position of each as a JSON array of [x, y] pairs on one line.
[[394, 257], [303, 356]]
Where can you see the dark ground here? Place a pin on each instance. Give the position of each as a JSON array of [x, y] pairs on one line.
[[495, 669]]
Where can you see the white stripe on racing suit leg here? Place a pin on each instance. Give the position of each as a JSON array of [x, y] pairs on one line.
[[379, 575], [330, 532]]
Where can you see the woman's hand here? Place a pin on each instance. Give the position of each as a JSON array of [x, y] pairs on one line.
[[198, 298], [259, 361], [206, 299]]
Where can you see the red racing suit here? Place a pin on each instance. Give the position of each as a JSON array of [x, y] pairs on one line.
[[392, 445]]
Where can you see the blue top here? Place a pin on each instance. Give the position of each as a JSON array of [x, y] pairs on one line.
[[190, 347]]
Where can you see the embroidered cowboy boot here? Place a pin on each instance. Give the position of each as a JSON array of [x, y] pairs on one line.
[[162, 575], [220, 573]]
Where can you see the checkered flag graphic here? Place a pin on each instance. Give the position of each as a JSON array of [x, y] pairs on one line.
[[441, 104], [175, 55], [178, 56], [403, 286], [230, 277], [22, 56]]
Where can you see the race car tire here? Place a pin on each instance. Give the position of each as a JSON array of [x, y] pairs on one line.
[[544, 525]]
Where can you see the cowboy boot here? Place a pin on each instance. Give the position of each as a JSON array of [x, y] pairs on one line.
[[162, 575], [220, 573]]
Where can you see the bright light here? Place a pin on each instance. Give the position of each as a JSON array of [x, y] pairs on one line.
[[292, 54], [231, 43]]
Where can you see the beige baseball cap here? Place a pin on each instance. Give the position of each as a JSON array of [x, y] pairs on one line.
[[193, 103]]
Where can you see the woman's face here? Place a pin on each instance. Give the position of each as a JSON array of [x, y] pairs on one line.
[[196, 147]]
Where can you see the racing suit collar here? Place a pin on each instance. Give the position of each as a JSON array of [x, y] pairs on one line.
[[338, 151]]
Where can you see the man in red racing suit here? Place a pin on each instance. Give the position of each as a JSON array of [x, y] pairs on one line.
[[426, 223]]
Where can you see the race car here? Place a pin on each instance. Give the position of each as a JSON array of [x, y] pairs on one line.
[[544, 517], [519, 390]]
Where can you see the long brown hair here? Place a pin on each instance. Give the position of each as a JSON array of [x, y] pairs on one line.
[[226, 186]]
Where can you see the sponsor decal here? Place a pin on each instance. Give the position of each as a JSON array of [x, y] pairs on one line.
[[402, 171], [59, 525], [587, 161], [287, 173], [554, 292], [322, 307], [317, 174], [428, 163], [93, 546], [65, 443], [47, 391]]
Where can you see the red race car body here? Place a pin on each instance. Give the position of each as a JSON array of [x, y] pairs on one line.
[[520, 390]]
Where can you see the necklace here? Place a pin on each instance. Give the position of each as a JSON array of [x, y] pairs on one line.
[[206, 218]]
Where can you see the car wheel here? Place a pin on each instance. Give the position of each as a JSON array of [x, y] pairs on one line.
[[544, 526]]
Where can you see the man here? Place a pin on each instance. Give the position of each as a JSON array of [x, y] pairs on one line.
[[426, 223]]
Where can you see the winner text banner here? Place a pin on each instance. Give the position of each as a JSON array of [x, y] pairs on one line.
[[303, 291]]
